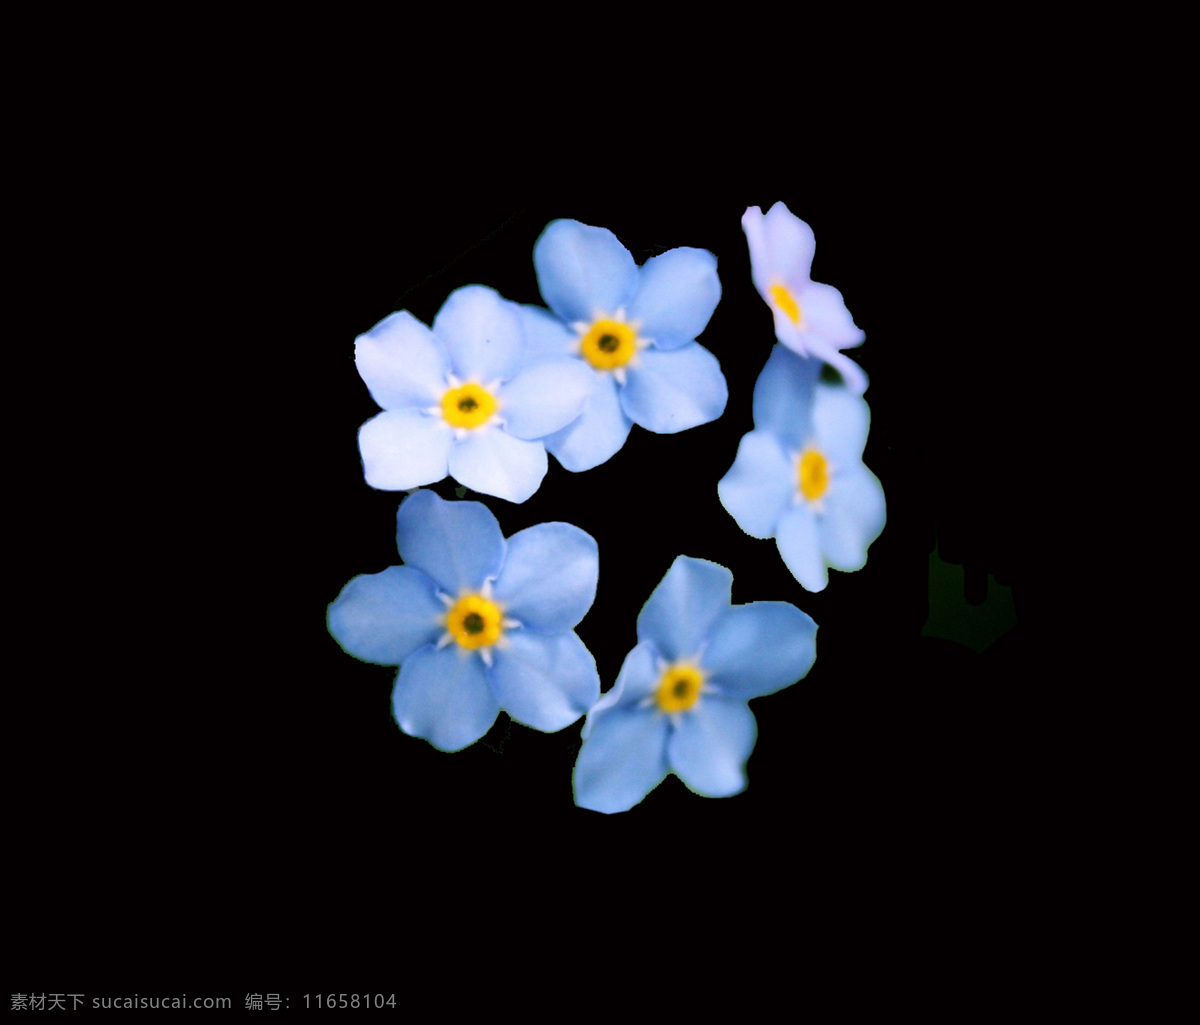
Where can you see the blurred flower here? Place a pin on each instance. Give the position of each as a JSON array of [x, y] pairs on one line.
[[799, 477], [463, 399], [811, 319], [634, 329], [476, 623], [679, 703]]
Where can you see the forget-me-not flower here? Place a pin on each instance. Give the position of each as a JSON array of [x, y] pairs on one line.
[[634, 328], [477, 623], [679, 703], [811, 319], [463, 398], [799, 477]]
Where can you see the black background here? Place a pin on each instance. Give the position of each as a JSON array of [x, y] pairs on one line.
[[219, 758]]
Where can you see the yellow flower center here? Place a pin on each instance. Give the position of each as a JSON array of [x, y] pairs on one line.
[[468, 406], [814, 475], [679, 687], [474, 621], [786, 303], [608, 344]]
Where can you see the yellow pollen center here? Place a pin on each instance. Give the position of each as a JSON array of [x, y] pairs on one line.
[[786, 302], [814, 475], [608, 344], [468, 406], [474, 621], [679, 687]]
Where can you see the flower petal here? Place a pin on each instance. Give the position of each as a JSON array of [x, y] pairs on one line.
[[403, 449], [599, 432], [672, 391], [760, 648], [783, 396], [781, 247], [493, 462], [384, 617], [545, 334], [759, 485], [549, 577], [799, 542], [855, 514], [710, 748], [458, 544], [623, 758], [841, 421], [677, 293], [684, 606], [546, 681], [825, 316], [545, 397], [637, 680], [583, 271], [401, 362], [482, 333], [442, 695]]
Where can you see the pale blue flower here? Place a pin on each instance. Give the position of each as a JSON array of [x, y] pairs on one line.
[[463, 399], [679, 703], [811, 319], [799, 476], [634, 329], [477, 623]]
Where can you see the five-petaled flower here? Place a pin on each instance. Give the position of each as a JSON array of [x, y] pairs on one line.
[[463, 398], [799, 476], [811, 319], [475, 622], [634, 328], [679, 703]]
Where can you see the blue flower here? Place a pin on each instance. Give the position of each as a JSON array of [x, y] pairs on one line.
[[811, 319], [476, 623], [463, 399], [634, 329], [799, 476], [679, 703]]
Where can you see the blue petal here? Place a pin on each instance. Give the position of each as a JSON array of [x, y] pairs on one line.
[[549, 577], [799, 540], [384, 617], [482, 333], [677, 293], [855, 513], [826, 317], [673, 391], [583, 272], [783, 396], [623, 758], [760, 648], [493, 462], [841, 420], [403, 449], [710, 748], [759, 486], [599, 432], [684, 606], [546, 334], [637, 680], [458, 544], [546, 681], [545, 397], [401, 363], [442, 695]]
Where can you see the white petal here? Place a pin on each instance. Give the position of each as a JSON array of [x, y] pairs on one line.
[[494, 463], [401, 362], [403, 449]]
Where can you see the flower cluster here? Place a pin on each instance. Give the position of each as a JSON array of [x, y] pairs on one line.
[[798, 476], [492, 385], [478, 623]]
